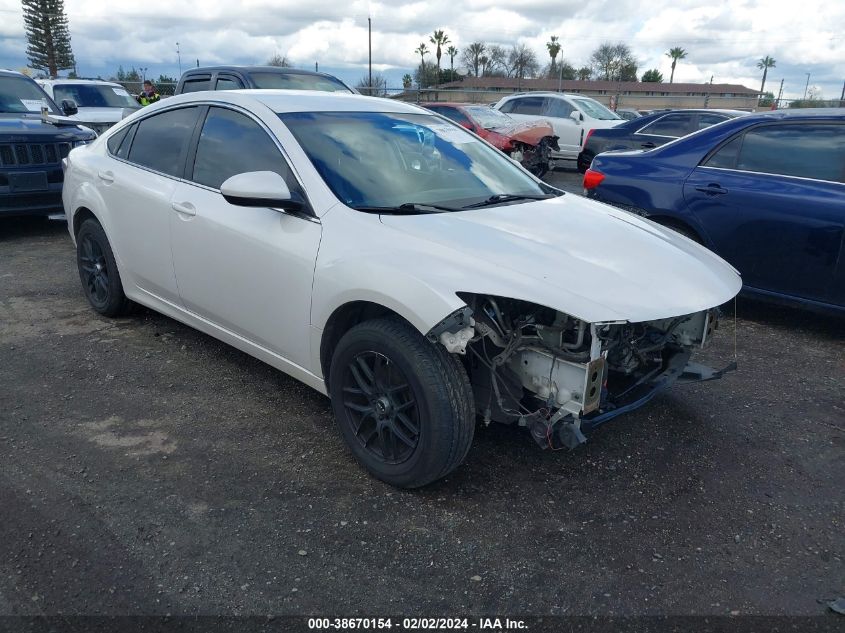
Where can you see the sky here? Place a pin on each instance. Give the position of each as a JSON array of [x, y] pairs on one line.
[[723, 38]]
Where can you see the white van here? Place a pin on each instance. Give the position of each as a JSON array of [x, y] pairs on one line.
[[571, 115], [101, 103]]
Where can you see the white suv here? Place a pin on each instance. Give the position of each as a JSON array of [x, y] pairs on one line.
[[101, 103], [572, 116]]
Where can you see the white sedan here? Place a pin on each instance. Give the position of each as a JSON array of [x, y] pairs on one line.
[[394, 261]]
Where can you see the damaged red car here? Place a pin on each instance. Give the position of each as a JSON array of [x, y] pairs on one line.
[[528, 142]]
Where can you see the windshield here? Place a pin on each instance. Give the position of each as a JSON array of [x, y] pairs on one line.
[[95, 95], [596, 110], [377, 159], [488, 118], [295, 81], [19, 94]]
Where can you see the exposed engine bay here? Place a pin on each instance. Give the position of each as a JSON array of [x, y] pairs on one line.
[[558, 375]]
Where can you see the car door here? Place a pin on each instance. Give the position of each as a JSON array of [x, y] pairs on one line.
[[247, 270], [136, 182], [570, 132], [772, 202]]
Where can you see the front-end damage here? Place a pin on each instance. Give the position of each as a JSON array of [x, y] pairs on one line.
[[560, 376]]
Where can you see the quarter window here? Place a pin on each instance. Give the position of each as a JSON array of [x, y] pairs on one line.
[[116, 139], [162, 139], [232, 143]]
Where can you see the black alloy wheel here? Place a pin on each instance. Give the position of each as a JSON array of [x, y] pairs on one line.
[[403, 405], [98, 271], [381, 406]]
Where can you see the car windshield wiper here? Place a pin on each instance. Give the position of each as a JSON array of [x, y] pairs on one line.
[[407, 208], [507, 197]]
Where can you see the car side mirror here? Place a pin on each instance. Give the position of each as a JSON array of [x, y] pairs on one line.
[[576, 116], [260, 189], [69, 107]]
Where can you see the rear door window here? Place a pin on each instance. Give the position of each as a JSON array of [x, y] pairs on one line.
[[707, 119], [527, 105], [161, 141], [671, 125], [197, 83], [806, 150]]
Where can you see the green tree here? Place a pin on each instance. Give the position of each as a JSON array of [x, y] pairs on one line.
[[764, 65], [48, 38], [439, 39], [471, 57], [452, 52], [407, 81], [767, 99], [676, 54], [653, 76], [553, 45], [585, 73], [422, 51], [614, 62]]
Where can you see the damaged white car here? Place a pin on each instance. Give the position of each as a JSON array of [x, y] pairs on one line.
[[393, 261]]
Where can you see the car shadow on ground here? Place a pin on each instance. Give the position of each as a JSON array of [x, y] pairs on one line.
[[828, 325], [27, 227]]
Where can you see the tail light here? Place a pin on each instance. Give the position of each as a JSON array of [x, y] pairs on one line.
[[592, 178]]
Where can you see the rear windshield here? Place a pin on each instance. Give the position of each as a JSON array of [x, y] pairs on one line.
[[294, 81], [596, 110], [19, 94], [95, 95]]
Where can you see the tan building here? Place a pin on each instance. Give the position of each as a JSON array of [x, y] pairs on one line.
[[628, 94]]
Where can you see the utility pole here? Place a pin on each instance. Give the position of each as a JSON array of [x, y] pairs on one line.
[[806, 87], [780, 94], [370, 47], [316, 67], [179, 57], [560, 76], [842, 96]]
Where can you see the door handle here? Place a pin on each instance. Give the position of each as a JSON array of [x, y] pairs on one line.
[[712, 189], [184, 208], [648, 145], [106, 176]]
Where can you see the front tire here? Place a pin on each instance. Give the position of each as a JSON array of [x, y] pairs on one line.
[[404, 405], [98, 271]]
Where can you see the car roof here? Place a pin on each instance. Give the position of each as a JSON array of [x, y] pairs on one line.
[[63, 82], [280, 101], [281, 70], [5, 72]]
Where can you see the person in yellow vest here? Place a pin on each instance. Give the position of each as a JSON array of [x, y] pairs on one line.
[[149, 94]]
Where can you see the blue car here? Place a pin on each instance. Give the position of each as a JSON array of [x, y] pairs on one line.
[[765, 191]]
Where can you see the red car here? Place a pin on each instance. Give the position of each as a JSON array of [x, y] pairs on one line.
[[529, 142]]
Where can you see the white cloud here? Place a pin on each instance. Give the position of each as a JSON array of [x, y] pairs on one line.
[[724, 38]]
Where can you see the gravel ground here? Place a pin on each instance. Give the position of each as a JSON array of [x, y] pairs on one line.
[[149, 469]]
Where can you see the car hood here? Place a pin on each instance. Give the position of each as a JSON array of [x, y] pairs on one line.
[[102, 115], [586, 259], [25, 128], [530, 132]]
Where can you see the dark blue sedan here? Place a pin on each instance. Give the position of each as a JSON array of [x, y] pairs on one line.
[[764, 191]]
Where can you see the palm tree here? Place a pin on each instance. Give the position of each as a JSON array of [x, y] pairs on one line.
[[676, 54], [452, 52], [764, 65], [422, 51], [476, 50], [439, 38], [554, 48], [584, 73]]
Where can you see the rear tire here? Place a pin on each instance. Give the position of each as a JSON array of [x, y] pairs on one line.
[[403, 404], [98, 271]]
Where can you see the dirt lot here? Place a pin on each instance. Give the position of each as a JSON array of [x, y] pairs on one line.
[[147, 468]]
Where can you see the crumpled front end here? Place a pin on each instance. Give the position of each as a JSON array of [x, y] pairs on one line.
[[561, 377]]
